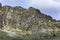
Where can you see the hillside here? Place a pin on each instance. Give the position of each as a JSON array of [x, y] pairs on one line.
[[19, 23]]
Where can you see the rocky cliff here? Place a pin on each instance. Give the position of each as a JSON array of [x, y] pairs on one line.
[[26, 21]]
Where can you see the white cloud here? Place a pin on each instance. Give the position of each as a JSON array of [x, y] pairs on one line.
[[40, 3], [56, 4], [43, 3]]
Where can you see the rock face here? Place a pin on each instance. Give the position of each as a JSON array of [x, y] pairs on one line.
[[33, 23], [30, 19]]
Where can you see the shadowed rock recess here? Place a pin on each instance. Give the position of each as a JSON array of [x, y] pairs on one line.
[[17, 23]]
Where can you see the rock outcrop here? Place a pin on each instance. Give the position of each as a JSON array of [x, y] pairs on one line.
[[27, 20]]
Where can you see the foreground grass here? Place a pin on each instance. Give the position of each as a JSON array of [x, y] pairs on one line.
[[38, 36], [49, 34]]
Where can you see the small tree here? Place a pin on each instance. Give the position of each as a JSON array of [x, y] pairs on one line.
[[0, 5]]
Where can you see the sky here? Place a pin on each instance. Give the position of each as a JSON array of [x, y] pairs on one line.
[[49, 7]]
